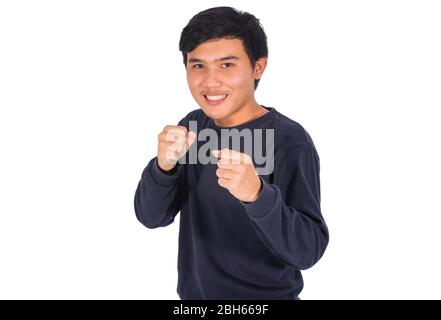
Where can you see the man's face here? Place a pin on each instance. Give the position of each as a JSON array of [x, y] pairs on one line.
[[221, 69]]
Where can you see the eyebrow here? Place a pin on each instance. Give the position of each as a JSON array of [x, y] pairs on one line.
[[230, 57]]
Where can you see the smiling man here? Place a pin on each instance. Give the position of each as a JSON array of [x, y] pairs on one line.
[[220, 72], [242, 235]]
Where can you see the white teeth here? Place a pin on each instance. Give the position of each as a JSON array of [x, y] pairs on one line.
[[216, 98]]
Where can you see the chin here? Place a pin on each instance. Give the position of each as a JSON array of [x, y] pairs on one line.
[[217, 114]]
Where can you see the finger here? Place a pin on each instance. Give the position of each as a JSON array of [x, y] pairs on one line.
[[174, 148], [177, 129], [225, 174], [170, 137], [227, 166], [175, 136], [231, 156], [223, 182], [227, 156], [228, 161], [191, 138]]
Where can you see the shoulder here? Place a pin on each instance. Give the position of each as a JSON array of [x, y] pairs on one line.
[[290, 134], [294, 149]]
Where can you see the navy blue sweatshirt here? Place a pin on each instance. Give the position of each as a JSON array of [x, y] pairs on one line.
[[229, 249]]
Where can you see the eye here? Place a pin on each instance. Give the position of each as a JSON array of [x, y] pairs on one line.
[[198, 66], [228, 65]]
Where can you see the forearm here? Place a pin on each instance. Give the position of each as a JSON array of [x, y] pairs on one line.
[[297, 237], [156, 197]]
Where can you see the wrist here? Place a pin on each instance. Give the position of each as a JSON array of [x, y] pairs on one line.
[[165, 168], [259, 192]]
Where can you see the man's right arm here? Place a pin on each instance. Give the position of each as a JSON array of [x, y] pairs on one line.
[[156, 198]]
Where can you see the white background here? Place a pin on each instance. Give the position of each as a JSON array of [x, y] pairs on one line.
[[86, 86]]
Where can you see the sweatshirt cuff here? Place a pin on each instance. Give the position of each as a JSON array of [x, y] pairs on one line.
[[262, 205], [161, 177]]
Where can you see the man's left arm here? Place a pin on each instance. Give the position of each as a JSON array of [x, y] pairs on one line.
[[286, 213]]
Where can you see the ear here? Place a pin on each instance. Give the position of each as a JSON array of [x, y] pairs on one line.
[[260, 67]]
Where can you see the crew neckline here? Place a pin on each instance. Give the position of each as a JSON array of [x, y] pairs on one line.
[[249, 124]]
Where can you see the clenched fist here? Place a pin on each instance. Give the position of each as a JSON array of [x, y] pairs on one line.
[[173, 143], [237, 174]]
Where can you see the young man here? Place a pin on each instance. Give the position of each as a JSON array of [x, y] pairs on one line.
[[243, 235]]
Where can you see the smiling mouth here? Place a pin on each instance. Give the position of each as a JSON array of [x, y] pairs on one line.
[[215, 99]]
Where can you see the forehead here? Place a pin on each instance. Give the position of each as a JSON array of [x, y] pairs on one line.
[[214, 49]]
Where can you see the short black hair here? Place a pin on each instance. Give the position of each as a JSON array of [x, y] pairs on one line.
[[225, 23]]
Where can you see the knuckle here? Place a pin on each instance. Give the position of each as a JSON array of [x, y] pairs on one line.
[[167, 128], [183, 129]]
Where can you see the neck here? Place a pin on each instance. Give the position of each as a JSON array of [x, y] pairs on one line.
[[247, 113]]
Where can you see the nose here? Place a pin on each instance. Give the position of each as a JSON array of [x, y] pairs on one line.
[[211, 79]]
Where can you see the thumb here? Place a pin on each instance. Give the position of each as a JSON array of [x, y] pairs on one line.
[[191, 138]]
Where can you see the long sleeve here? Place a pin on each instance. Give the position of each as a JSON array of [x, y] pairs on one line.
[[287, 214], [157, 198]]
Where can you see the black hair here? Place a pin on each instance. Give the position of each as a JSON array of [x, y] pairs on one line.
[[225, 23]]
